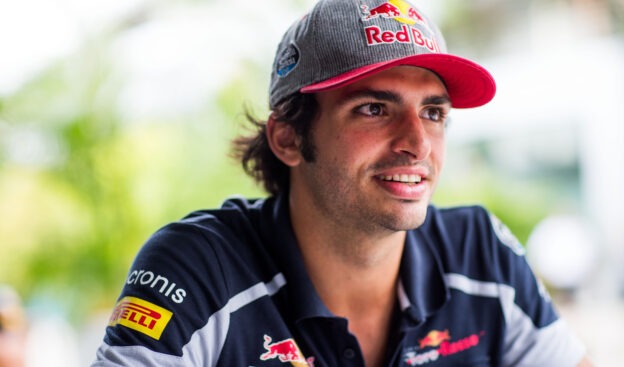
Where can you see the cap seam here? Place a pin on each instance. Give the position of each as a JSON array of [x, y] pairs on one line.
[[317, 63]]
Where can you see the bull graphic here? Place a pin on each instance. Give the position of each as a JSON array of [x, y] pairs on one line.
[[285, 351], [434, 338], [385, 10]]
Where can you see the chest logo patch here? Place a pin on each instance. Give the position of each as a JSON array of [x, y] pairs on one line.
[[434, 338], [286, 351], [439, 344], [142, 316]]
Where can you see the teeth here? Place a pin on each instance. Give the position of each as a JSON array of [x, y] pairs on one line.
[[403, 178]]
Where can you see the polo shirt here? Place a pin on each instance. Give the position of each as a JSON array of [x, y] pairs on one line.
[[228, 287]]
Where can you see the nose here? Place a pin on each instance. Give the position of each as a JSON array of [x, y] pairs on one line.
[[411, 138]]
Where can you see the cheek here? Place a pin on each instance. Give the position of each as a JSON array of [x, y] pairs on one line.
[[361, 148], [343, 145], [346, 157], [438, 151], [439, 144]]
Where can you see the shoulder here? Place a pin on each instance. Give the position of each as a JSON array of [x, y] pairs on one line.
[[186, 275], [196, 237], [219, 250], [459, 217], [235, 215], [471, 226], [234, 224], [218, 240], [470, 240], [481, 257]]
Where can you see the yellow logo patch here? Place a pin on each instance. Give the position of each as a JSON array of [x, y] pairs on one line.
[[142, 316]]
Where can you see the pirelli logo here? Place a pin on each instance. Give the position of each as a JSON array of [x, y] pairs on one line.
[[142, 316]]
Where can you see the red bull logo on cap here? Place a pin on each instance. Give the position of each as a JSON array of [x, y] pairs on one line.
[[399, 10], [286, 351], [402, 12]]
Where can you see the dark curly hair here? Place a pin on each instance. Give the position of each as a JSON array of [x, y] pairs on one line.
[[255, 154]]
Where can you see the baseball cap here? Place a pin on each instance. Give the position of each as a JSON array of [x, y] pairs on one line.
[[342, 41]]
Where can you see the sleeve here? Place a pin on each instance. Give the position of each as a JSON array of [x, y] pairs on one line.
[[534, 334], [168, 304]]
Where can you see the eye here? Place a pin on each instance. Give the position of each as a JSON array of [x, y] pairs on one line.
[[434, 114], [372, 109]]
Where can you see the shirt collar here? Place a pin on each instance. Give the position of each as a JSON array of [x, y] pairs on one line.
[[279, 237], [421, 289]]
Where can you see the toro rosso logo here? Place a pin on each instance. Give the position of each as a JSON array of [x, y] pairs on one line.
[[286, 351], [438, 344]]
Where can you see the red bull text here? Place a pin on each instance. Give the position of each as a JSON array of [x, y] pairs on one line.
[[402, 12], [375, 36]]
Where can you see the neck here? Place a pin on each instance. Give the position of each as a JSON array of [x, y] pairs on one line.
[[347, 260], [355, 275]]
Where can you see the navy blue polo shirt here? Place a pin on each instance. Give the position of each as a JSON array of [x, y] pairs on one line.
[[228, 287]]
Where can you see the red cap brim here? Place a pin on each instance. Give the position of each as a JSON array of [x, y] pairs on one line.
[[467, 83]]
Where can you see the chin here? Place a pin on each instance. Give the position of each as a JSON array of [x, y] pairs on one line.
[[411, 220]]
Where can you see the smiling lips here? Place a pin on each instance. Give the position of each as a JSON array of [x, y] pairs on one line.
[[409, 179], [404, 186]]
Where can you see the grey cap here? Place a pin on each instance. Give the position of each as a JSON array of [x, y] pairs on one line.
[[341, 41]]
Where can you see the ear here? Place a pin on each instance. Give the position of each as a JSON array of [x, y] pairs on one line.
[[284, 142]]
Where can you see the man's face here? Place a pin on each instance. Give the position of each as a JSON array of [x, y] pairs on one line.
[[379, 150]]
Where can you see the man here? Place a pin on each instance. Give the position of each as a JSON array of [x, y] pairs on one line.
[[346, 263]]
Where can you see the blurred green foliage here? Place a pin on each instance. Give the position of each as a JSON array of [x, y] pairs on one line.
[[81, 188]]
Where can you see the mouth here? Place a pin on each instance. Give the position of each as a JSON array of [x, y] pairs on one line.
[[404, 178]]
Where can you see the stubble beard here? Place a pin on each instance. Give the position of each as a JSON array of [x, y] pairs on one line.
[[355, 215], [351, 212]]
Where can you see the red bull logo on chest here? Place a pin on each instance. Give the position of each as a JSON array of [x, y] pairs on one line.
[[286, 351]]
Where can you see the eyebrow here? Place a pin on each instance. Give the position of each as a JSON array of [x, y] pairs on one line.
[[389, 96], [438, 100]]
